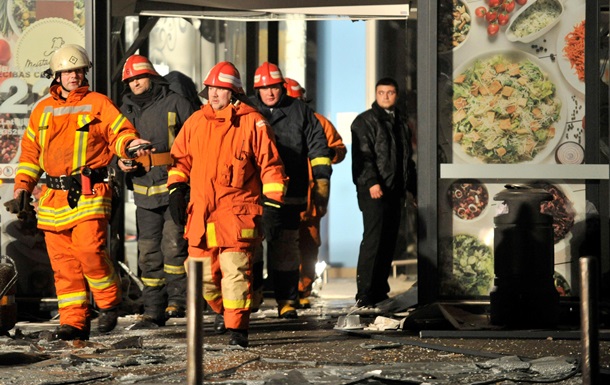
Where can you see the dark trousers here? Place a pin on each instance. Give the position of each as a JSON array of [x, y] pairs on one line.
[[381, 219], [162, 252]]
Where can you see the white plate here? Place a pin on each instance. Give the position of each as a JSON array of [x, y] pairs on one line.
[[532, 36], [482, 212], [470, 23], [567, 24], [10, 6], [560, 93]]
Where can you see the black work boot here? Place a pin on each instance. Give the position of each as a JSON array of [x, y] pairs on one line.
[[107, 319], [219, 324], [238, 337], [69, 333]]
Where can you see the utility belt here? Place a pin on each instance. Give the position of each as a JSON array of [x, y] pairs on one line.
[[155, 159], [78, 184]]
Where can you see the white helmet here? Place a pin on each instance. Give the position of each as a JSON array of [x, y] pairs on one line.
[[69, 57]]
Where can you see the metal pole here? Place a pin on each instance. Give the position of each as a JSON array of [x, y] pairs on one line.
[[194, 323], [589, 320]]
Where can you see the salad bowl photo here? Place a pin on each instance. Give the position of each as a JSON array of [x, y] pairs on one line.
[[534, 19], [506, 109]]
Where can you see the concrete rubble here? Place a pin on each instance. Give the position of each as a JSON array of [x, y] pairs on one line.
[[368, 348]]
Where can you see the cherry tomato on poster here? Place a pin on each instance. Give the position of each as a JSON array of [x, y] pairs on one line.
[[503, 18], [5, 52], [494, 3], [491, 16], [521, 2], [480, 12], [509, 5], [492, 29]]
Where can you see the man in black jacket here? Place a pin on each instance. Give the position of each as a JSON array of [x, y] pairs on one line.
[[383, 171]]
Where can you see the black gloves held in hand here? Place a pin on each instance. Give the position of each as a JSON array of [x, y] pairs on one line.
[[272, 218], [178, 200]]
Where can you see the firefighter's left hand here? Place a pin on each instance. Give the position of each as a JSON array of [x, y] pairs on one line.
[[321, 193], [178, 202]]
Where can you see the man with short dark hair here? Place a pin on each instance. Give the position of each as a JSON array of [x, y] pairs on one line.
[[383, 171]]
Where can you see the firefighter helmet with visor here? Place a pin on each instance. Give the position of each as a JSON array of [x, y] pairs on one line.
[[267, 74], [223, 75], [137, 65], [294, 89]]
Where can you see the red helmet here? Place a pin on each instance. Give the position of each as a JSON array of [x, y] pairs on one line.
[[137, 65], [267, 75], [223, 75], [294, 89]]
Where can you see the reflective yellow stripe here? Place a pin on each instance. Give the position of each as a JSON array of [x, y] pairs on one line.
[[248, 233], [79, 158], [121, 143], [320, 162], [171, 127], [149, 191], [274, 187], [211, 235], [29, 169], [45, 117], [29, 133], [70, 299], [118, 123], [236, 303], [43, 125], [176, 172], [83, 120], [153, 282], [65, 215], [173, 269], [211, 297], [102, 283]]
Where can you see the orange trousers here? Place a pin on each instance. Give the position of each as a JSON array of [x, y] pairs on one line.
[[80, 262], [309, 243], [227, 283]]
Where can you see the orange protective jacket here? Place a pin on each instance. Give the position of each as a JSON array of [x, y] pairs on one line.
[[225, 155], [62, 137], [335, 142]]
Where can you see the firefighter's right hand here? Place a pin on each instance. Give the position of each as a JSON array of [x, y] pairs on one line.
[[178, 200], [13, 206]]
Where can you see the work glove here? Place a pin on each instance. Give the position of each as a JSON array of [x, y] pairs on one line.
[[272, 219], [321, 192], [24, 209], [178, 200]]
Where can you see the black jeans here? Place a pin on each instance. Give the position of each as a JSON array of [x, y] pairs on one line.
[[381, 219]]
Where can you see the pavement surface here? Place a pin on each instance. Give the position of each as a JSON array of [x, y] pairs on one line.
[[331, 343]]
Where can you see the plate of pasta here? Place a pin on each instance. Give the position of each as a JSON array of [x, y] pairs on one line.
[[571, 48]]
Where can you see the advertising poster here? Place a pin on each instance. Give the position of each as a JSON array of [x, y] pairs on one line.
[[30, 31], [515, 73]]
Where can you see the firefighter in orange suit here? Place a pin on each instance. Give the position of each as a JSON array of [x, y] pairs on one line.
[[226, 152], [309, 230], [72, 136]]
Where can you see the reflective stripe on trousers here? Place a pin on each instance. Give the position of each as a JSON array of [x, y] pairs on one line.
[[80, 262]]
